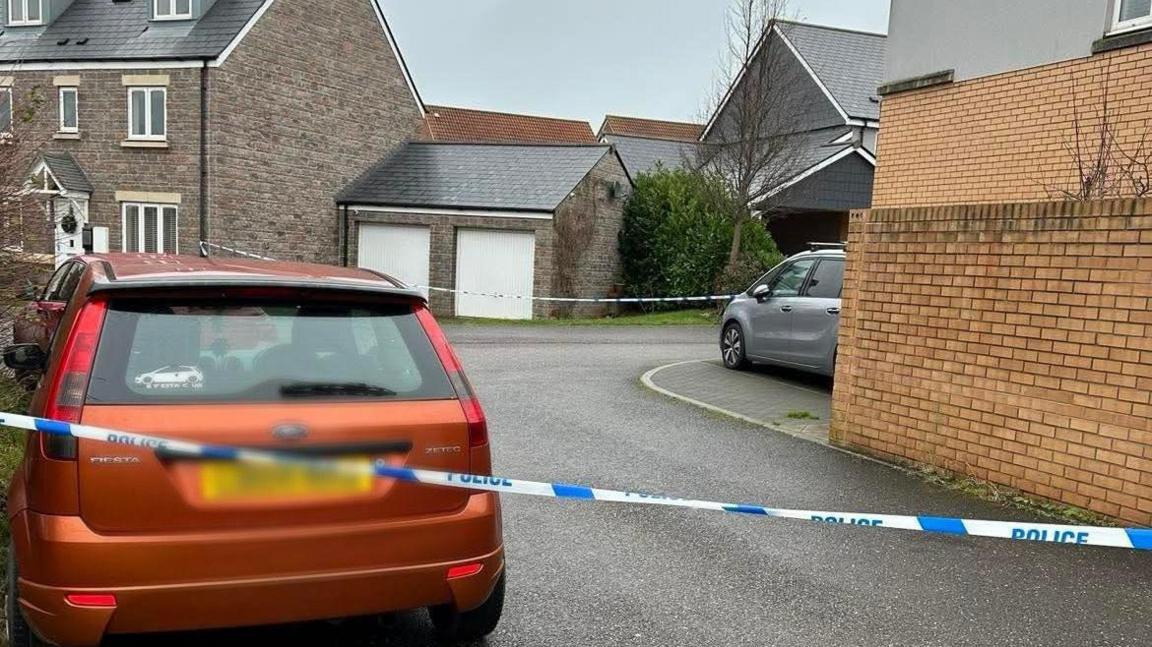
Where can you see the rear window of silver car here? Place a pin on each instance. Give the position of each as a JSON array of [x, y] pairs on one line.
[[261, 351]]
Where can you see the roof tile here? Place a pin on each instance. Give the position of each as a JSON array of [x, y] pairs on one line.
[[450, 124]]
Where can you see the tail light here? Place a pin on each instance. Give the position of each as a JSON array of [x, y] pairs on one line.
[[473, 412], [70, 385]]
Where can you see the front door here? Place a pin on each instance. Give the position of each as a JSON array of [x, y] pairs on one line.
[[772, 316], [816, 316]]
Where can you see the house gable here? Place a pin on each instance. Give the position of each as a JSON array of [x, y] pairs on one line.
[[302, 105]]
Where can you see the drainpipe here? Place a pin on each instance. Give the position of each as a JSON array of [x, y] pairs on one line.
[[204, 154], [344, 235]]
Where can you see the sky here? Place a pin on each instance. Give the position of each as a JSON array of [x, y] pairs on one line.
[[582, 59]]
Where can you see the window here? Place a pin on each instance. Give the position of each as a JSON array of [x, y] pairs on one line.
[[69, 116], [791, 279], [25, 12], [150, 228], [272, 349], [827, 280], [147, 113], [1132, 14], [5, 110], [171, 9]]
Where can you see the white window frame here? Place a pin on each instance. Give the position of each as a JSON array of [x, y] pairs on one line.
[[25, 22], [6, 96], [1132, 24], [148, 90], [140, 226], [156, 15], [60, 106]]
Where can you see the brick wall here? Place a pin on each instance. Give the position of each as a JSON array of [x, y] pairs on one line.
[[103, 122], [1003, 138], [307, 102], [1009, 342]]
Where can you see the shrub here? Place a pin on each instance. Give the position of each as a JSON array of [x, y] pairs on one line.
[[677, 234]]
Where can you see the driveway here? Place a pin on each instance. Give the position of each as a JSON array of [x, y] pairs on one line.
[[565, 404]]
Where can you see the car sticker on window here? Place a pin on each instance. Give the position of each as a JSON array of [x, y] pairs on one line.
[[172, 378]]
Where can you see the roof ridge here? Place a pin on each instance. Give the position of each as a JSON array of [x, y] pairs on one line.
[[801, 23], [432, 107], [440, 142]]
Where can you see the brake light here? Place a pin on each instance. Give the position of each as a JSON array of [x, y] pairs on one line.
[[473, 412], [91, 599], [464, 570], [66, 395]]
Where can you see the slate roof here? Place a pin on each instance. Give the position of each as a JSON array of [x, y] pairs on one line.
[[642, 155], [450, 124], [122, 31], [67, 171], [650, 128], [506, 177], [849, 63]]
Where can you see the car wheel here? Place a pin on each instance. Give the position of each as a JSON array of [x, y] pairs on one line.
[[16, 628], [732, 347], [464, 626]]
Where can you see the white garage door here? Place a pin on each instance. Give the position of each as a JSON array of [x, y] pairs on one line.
[[493, 261], [397, 250]]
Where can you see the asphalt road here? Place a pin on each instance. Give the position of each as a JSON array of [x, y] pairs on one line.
[[564, 404]]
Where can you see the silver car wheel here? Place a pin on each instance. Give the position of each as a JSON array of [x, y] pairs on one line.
[[733, 347]]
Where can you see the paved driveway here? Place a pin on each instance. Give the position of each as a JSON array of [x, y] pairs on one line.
[[565, 404]]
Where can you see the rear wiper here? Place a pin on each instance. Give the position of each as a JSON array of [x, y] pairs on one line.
[[298, 389]]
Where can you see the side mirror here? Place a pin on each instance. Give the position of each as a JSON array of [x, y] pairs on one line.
[[25, 357], [761, 292]]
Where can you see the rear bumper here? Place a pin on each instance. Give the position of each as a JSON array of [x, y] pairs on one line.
[[183, 582]]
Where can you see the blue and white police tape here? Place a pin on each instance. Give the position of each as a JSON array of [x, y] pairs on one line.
[[1136, 538], [497, 295], [205, 245]]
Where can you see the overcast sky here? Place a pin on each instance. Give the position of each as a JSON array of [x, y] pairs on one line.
[[582, 58]]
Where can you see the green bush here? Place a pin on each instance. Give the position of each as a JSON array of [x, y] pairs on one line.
[[677, 235]]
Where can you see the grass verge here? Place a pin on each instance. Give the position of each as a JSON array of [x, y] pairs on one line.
[[13, 399], [707, 317]]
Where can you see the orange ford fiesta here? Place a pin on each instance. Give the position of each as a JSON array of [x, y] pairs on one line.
[[308, 360]]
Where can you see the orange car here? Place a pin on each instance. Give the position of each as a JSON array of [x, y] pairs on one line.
[[303, 359]]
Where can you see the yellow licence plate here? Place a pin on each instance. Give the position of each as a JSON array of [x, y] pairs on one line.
[[224, 480]]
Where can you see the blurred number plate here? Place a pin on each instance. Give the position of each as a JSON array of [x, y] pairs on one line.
[[225, 480]]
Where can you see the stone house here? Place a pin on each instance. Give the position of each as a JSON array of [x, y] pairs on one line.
[[990, 105], [486, 218], [165, 122], [832, 113]]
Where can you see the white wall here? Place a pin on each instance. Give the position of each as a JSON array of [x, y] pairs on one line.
[[984, 37]]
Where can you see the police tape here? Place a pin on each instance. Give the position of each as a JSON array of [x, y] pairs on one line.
[[497, 295], [205, 245], [1134, 538]]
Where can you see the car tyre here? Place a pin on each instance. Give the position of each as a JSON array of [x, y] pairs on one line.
[[453, 625], [16, 628], [733, 347]]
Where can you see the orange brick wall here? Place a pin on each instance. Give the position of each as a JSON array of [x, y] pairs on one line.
[[1009, 342], [1003, 138]]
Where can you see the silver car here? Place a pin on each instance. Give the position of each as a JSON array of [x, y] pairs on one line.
[[790, 316]]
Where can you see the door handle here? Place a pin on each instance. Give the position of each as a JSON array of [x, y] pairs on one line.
[[785, 308], [833, 311]]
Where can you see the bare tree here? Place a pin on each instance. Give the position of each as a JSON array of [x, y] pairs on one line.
[[25, 231], [1105, 166], [753, 142]]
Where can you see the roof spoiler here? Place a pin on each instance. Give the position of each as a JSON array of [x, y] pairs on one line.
[[816, 247]]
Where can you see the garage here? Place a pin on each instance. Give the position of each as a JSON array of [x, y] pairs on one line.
[[514, 219], [495, 261], [401, 251]]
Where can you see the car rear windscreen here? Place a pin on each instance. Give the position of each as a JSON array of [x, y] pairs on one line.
[[261, 351]]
